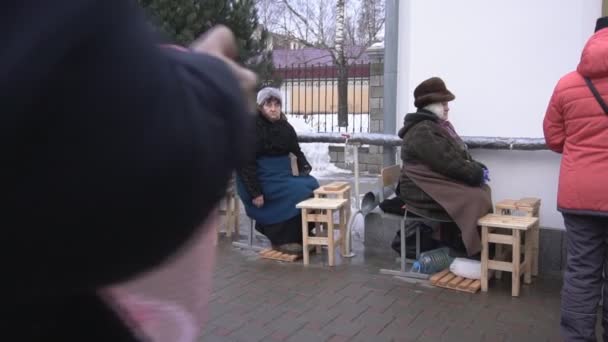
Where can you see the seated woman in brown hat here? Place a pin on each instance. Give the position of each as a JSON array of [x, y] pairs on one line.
[[440, 180]]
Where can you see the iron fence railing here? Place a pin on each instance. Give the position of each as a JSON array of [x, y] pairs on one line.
[[310, 92]]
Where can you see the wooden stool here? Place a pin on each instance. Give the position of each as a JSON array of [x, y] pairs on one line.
[[321, 210], [530, 207], [231, 210], [335, 189], [516, 225], [339, 190]]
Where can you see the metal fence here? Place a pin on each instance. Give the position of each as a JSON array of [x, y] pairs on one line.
[[310, 92]]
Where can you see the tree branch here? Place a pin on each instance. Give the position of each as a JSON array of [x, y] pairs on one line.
[[299, 16]]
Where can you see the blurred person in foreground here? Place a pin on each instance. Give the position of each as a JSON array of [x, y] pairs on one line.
[[576, 125], [116, 151]]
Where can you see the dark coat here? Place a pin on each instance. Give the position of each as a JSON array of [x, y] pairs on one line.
[[114, 152], [426, 142], [273, 139]]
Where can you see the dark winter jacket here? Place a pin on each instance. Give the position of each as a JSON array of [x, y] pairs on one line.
[[426, 142], [272, 139], [114, 151]]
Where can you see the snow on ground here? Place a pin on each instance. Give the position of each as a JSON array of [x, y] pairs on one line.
[[357, 123], [316, 153]]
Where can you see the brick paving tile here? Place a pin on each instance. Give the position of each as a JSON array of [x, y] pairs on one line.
[[338, 338], [260, 300], [379, 302], [463, 334], [305, 335], [342, 327], [251, 332], [355, 291]]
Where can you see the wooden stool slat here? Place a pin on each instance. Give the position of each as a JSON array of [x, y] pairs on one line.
[[435, 278], [527, 203], [500, 238], [322, 203], [509, 222], [335, 186]]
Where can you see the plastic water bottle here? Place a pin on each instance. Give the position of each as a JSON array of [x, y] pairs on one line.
[[433, 261]]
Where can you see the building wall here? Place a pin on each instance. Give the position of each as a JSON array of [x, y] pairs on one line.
[[517, 174], [501, 59]]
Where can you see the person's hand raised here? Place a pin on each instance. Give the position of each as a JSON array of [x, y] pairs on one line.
[[221, 43]]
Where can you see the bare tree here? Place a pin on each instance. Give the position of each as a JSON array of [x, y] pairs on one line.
[[370, 20], [313, 22], [332, 25], [270, 14], [341, 65]]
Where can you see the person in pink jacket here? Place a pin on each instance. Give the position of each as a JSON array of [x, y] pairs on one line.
[[576, 125]]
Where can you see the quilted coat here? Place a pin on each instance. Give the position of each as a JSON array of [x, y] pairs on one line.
[[576, 126]]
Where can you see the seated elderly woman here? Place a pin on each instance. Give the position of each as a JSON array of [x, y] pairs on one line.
[[267, 186], [440, 180]]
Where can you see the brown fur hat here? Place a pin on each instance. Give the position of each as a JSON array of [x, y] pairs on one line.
[[431, 91]]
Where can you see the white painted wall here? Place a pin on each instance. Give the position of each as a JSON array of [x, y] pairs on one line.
[[501, 59], [517, 174]]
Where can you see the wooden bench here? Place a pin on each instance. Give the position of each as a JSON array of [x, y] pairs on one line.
[[492, 226]]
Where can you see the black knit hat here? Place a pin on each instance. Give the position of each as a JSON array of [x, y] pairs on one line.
[[601, 23], [430, 91]]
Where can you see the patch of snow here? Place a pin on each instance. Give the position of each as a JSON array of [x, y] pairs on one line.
[[379, 45], [321, 122], [349, 154], [316, 153]]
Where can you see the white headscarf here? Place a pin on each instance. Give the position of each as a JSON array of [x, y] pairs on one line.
[[437, 109], [268, 92]]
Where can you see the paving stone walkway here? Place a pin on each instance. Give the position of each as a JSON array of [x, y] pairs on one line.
[[263, 300]]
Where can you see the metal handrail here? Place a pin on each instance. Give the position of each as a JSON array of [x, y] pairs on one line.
[[389, 140]]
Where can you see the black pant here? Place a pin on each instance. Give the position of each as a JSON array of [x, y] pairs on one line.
[[289, 231], [587, 248]]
